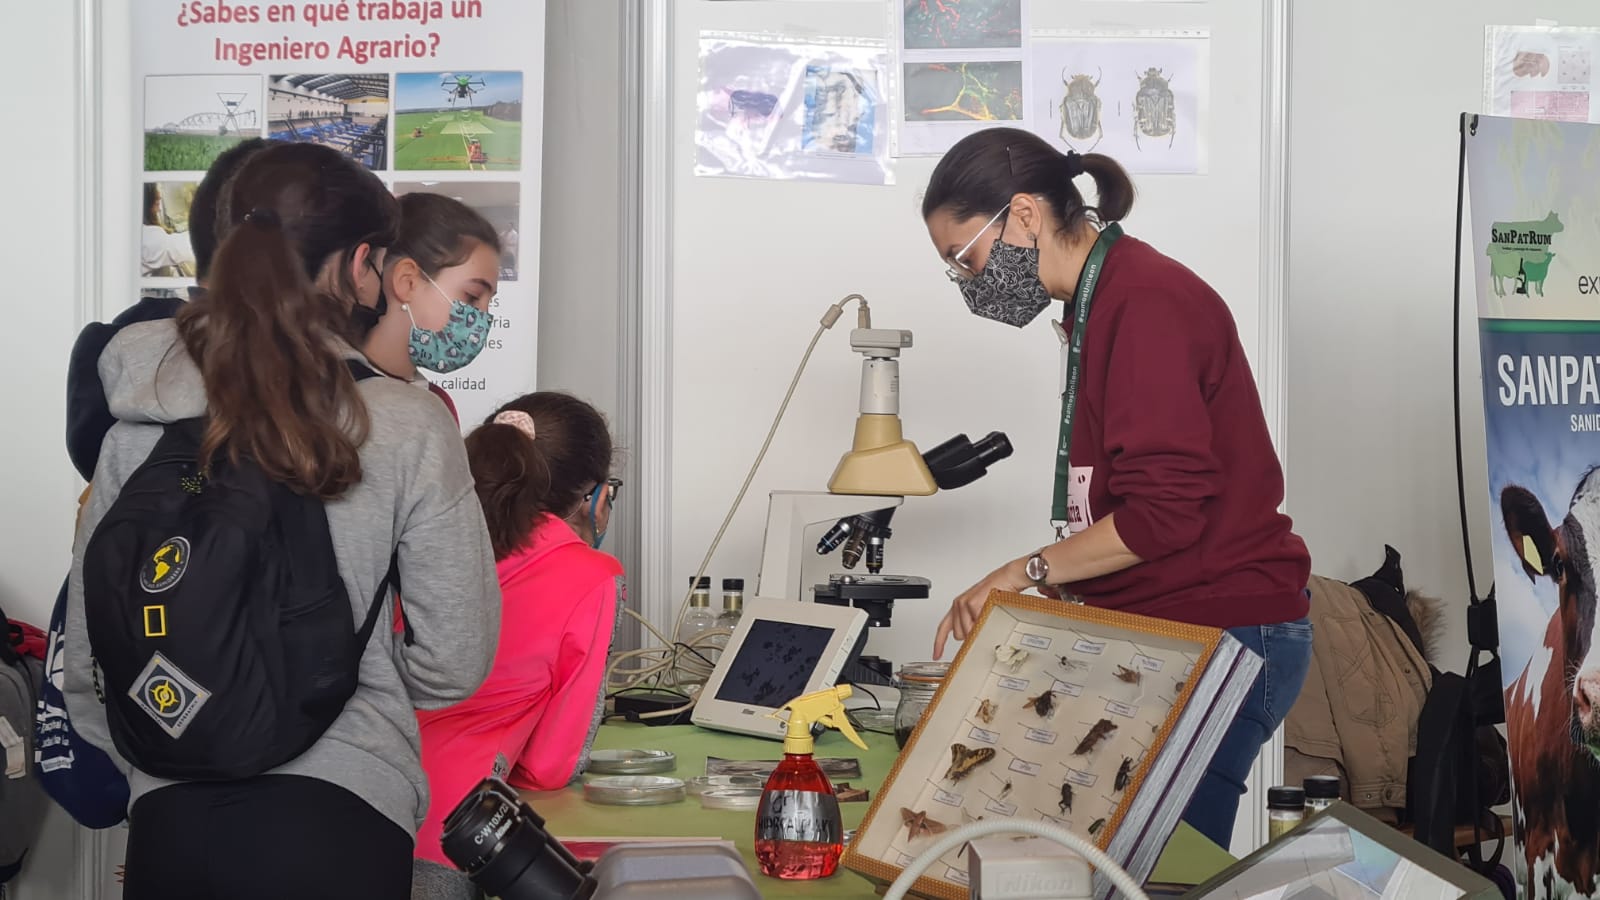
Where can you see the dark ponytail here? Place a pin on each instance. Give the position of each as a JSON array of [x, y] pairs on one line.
[[984, 170], [520, 476], [265, 338]]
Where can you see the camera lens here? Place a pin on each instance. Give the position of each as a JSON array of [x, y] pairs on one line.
[[499, 843]]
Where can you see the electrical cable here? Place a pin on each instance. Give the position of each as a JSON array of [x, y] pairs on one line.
[[1092, 854], [683, 661]]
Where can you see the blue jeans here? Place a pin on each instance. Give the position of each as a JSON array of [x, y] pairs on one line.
[[1285, 650]]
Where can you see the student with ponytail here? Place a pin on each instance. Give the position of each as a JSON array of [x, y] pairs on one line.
[[1172, 492], [266, 355], [542, 465]]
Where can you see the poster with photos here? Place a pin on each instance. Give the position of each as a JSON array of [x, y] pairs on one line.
[[962, 66]]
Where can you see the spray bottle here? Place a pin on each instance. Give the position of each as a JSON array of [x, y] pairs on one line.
[[798, 831]]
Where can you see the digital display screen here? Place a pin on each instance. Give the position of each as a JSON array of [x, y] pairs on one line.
[[774, 663]]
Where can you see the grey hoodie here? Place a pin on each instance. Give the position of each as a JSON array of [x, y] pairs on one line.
[[416, 494]]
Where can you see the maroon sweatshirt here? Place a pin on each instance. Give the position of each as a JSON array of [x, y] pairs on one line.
[[1170, 436]]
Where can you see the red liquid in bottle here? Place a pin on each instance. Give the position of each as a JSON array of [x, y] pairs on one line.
[[798, 831]]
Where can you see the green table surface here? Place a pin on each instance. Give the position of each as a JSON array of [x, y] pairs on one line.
[[1188, 859]]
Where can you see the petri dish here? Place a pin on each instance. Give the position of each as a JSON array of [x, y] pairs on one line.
[[632, 762], [633, 790], [731, 798], [702, 783]]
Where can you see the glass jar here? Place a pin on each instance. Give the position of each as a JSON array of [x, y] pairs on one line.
[[1321, 792], [917, 683], [1286, 808]]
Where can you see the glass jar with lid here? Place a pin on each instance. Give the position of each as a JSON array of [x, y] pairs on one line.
[[917, 683]]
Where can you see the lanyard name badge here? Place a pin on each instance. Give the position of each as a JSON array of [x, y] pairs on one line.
[[1069, 397]]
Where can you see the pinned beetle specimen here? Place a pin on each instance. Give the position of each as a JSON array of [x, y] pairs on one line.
[[1124, 773], [1097, 825], [1098, 733], [1066, 798]]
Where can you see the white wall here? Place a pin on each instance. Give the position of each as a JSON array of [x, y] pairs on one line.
[[1373, 146], [581, 284], [40, 258]]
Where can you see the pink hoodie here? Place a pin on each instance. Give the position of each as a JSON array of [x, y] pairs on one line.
[[535, 716]]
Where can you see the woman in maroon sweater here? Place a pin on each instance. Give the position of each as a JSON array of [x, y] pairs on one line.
[[1172, 493]]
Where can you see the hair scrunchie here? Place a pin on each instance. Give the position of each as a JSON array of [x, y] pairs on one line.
[[519, 420], [1074, 164], [261, 215]]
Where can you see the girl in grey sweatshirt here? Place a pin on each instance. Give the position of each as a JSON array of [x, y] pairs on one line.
[[263, 354]]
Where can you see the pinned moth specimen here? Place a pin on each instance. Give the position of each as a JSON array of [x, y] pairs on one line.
[[1101, 730], [1124, 773], [1010, 656], [986, 711], [1066, 798], [1098, 824], [1044, 704], [964, 759], [1123, 673], [919, 825]]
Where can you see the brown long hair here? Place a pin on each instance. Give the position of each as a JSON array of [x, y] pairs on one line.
[[984, 170], [265, 338], [519, 477], [438, 232]]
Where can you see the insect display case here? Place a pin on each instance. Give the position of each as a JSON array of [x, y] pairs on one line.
[[1099, 721]]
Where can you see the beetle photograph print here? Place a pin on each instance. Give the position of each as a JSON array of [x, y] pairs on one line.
[[1136, 97]]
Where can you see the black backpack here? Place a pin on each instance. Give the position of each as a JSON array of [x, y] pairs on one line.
[[217, 618]]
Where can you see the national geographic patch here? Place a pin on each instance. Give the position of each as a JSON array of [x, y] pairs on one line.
[[166, 566], [169, 696]]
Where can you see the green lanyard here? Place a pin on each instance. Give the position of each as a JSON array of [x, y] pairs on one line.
[[1069, 398]]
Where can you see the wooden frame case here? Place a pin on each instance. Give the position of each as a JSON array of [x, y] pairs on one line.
[[1051, 711]]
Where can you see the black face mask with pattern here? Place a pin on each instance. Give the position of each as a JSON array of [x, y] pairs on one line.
[[1008, 290]]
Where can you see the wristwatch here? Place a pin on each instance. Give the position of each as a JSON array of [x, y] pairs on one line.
[[1037, 570]]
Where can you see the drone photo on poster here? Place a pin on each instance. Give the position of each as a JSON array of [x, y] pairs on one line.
[[458, 121]]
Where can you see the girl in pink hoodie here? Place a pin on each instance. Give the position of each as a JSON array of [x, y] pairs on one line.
[[542, 464]]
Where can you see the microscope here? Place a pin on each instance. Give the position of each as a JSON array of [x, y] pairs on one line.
[[872, 480]]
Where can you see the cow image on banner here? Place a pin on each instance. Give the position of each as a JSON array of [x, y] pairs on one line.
[[1535, 239]]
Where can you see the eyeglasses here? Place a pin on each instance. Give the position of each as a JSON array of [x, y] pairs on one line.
[[965, 272], [613, 487]]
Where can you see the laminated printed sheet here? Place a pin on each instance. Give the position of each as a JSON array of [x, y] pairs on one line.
[[1541, 72], [773, 108], [1138, 97], [962, 67]]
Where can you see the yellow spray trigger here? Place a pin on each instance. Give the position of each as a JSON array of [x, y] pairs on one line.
[[1530, 552], [824, 706]]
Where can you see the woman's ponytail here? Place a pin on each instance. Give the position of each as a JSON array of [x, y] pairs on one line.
[[512, 479], [1112, 186], [538, 454], [265, 342]]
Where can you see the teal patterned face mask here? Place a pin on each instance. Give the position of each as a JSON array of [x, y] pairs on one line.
[[458, 343]]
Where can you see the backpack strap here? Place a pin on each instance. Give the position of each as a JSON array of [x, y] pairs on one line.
[[391, 580], [380, 602]]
